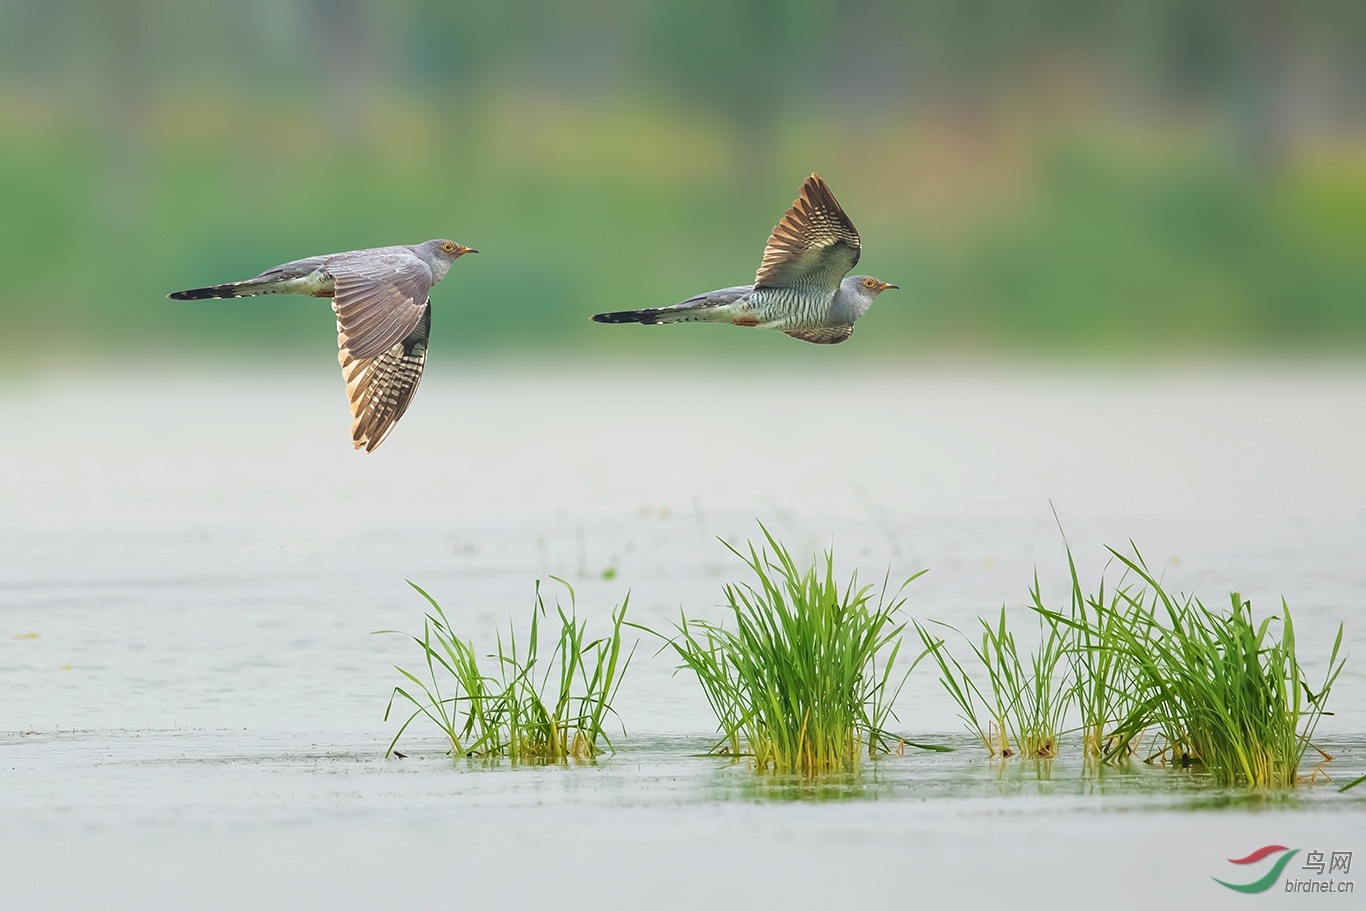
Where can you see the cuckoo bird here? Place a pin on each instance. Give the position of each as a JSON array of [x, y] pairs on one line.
[[800, 289], [383, 318]]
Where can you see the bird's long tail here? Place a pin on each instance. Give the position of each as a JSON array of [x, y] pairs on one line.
[[249, 288], [712, 307], [313, 284], [657, 315], [231, 289]]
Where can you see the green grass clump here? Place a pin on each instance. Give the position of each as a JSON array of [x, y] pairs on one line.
[[1214, 687], [530, 710], [1104, 687], [1134, 664], [1025, 700], [796, 685]]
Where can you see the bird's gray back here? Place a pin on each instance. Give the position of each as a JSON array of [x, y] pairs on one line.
[[327, 262], [375, 258], [717, 297], [298, 268]]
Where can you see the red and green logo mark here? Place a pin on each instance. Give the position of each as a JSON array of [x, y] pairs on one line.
[[1267, 881]]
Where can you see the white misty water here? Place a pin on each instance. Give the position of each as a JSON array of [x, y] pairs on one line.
[[192, 564]]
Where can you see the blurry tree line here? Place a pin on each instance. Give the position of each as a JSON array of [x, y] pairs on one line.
[[1276, 68], [1114, 142]]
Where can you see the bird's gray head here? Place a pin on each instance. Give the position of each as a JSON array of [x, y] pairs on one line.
[[866, 286], [860, 291], [440, 253]]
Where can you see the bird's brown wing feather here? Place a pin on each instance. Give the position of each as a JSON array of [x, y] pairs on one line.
[[380, 388], [829, 335], [378, 300], [814, 246]]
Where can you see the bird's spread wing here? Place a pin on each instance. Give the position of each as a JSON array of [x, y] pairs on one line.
[[381, 387], [831, 335], [379, 300], [813, 246]]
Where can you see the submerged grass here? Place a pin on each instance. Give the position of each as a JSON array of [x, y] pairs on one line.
[[529, 710], [803, 682]]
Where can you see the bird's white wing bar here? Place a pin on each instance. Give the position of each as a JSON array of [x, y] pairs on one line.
[[814, 245], [378, 299]]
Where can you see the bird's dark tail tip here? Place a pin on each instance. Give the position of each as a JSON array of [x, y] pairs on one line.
[[647, 317], [199, 294]]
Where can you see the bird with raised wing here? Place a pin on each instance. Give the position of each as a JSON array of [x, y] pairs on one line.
[[800, 289], [384, 316]]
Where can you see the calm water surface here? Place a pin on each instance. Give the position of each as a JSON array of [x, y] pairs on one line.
[[192, 567]]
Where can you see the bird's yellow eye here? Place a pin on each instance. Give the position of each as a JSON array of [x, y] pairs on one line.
[[868, 283], [448, 247]]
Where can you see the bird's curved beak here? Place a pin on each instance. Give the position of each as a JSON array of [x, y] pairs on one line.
[[461, 251], [886, 285]]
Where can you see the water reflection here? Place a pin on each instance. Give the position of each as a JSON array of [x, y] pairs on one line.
[[967, 773], [315, 767]]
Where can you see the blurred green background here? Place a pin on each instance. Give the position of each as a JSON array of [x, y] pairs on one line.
[[1055, 176]]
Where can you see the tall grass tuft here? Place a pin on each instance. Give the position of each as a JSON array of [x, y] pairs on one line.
[[1024, 701], [1215, 687], [1105, 689], [1134, 664], [803, 681], [532, 709]]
